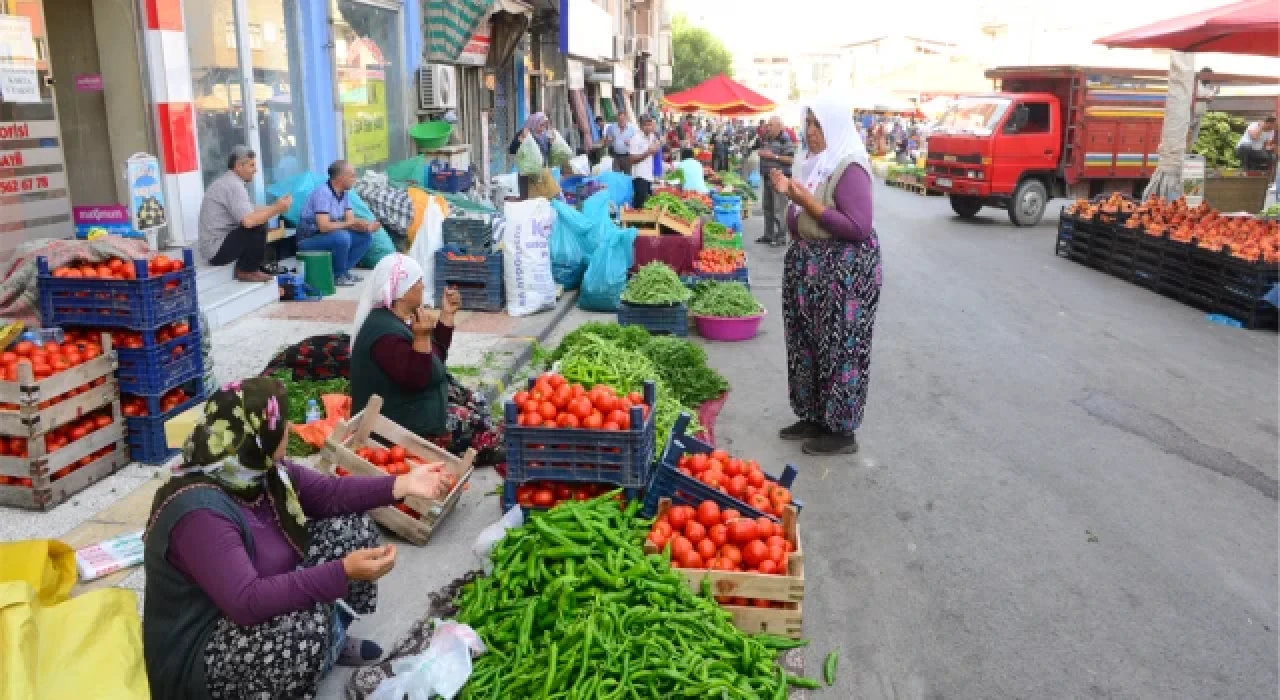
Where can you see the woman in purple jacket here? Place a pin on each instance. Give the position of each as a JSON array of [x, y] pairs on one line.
[[249, 558], [831, 281]]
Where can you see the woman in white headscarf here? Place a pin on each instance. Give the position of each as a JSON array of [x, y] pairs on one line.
[[398, 351], [831, 280]]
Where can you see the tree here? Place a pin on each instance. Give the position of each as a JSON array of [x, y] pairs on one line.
[[696, 55]]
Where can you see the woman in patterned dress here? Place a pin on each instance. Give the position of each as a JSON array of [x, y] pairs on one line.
[[254, 563], [831, 281]]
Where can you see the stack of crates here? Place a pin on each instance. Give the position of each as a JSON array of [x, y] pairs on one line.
[[477, 277], [154, 323], [469, 234]]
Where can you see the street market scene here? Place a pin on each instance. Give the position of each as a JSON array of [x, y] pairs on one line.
[[413, 349]]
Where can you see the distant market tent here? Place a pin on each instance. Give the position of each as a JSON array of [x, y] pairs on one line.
[[1250, 27], [720, 95]]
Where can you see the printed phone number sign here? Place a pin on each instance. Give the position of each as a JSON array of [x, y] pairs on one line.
[[19, 185]]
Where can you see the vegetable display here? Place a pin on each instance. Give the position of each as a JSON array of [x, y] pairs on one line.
[[554, 402], [739, 186], [119, 268], [300, 391], [719, 261], [49, 359], [574, 608], [741, 479], [548, 494], [672, 204], [136, 406], [708, 538], [683, 365], [1245, 237], [724, 300], [656, 283], [1219, 134], [627, 337]]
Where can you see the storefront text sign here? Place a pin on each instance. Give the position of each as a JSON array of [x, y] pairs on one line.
[[586, 30], [89, 82], [146, 192], [18, 79]]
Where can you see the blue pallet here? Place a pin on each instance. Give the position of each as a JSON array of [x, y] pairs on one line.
[[668, 482], [140, 304], [157, 369], [449, 180], [509, 495], [145, 435], [622, 457], [673, 320]]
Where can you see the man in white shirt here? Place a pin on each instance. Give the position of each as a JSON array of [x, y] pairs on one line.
[[1257, 147], [643, 146], [616, 139]]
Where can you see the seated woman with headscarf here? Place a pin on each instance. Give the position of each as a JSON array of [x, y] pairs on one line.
[[398, 351], [254, 563], [831, 281]]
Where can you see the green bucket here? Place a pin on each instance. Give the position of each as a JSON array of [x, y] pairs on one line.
[[319, 270], [429, 135]]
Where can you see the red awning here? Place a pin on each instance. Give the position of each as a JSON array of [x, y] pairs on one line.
[[1249, 27], [720, 95]]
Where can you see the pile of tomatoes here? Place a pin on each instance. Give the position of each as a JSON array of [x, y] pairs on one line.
[[707, 537], [119, 268], [60, 397], [48, 359], [740, 479], [136, 406], [549, 494], [720, 261], [133, 340], [68, 433], [554, 402], [78, 464]]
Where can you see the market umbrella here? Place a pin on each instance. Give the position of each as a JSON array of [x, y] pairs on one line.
[[720, 95], [1249, 27]]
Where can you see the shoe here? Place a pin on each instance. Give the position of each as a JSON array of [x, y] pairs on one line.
[[831, 444], [802, 430], [359, 652], [764, 239], [256, 277], [778, 243], [344, 281]]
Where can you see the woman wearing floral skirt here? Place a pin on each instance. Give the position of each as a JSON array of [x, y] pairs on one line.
[[831, 281]]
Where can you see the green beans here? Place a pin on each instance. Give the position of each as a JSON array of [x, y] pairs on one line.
[[724, 299], [656, 283], [829, 667]]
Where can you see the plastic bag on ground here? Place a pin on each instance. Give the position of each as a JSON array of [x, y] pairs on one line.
[[568, 261], [529, 159], [561, 153], [526, 267], [426, 241], [606, 274], [440, 670], [493, 534], [620, 187], [381, 247], [693, 181]]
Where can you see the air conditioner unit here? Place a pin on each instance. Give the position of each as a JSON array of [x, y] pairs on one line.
[[437, 87], [644, 45]]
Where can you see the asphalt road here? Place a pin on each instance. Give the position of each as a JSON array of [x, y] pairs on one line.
[[1067, 484]]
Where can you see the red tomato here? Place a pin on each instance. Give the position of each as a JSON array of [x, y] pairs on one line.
[[708, 513], [397, 453], [766, 527], [534, 420], [778, 555], [680, 545], [737, 486], [594, 421], [548, 411], [571, 421], [742, 531], [754, 552], [615, 416], [719, 534], [636, 398], [699, 463], [678, 516], [543, 498], [24, 348], [760, 502], [706, 549], [729, 515], [102, 421], [732, 554], [778, 541], [711, 478], [581, 407], [767, 567], [720, 455], [520, 398], [562, 396], [691, 560], [611, 426], [755, 478], [695, 531], [563, 492], [657, 539]]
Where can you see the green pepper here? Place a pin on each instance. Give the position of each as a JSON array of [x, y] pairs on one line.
[[829, 667]]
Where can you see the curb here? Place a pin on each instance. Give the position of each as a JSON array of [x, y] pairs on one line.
[[494, 388]]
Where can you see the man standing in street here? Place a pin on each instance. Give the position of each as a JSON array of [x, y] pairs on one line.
[[231, 229], [644, 145], [776, 153], [617, 139], [329, 224], [1257, 147]]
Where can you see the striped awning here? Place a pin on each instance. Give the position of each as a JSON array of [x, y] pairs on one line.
[[450, 25]]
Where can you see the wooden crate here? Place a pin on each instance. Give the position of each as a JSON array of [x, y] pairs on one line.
[[45, 490], [29, 419], [787, 589], [639, 218], [671, 223], [339, 451]]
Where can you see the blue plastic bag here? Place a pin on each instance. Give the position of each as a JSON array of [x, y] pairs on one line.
[[300, 186], [380, 248], [358, 206], [596, 210], [606, 274], [619, 187], [693, 181], [568, 261]]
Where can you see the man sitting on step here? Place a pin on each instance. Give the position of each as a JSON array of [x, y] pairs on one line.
[[231, 229], [329, 223]]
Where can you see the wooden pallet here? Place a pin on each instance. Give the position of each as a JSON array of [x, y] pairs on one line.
[[339, 451], [787, 589]]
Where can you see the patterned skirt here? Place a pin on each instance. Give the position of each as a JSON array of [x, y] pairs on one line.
[[830, 292], [469, 425]]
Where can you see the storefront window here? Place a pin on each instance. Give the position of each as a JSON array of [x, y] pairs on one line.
[[367, 50], [216, 82]]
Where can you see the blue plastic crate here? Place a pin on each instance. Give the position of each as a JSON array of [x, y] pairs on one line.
[[509, 495], [621, 457], [449, 180], [671, 319], [156, 369], [729, 217], [145, 435], [668, 482], [739, 275], [727, 201], [139, 304]]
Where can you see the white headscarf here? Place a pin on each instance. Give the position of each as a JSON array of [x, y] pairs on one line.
[[835, 114], [392, 278]]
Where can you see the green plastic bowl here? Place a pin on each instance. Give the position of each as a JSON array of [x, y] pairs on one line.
[[431, 134]]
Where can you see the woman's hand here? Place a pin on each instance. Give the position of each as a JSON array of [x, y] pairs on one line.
[[369, 564], [451, 301], [420, 482], [796, 190], [423, 322]]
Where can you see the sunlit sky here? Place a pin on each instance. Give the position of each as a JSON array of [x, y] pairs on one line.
[[1059, 32]]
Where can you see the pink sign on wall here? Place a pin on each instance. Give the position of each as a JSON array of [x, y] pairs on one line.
[[89, 82]]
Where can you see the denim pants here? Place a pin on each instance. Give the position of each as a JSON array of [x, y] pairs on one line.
[[345, 247]]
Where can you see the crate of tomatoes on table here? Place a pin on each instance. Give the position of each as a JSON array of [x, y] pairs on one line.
[[370, 444], [61, 427], [118, 293], [753, 566]]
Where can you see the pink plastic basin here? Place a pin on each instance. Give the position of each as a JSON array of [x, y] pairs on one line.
[[729, 329]]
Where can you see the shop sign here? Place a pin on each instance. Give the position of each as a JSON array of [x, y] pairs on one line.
[[577, 75], [16, 131], [98, 220], [89, 82], [146, 192], [476, 51], [19, 82], [365, 128], [32, 183], [586, 30]]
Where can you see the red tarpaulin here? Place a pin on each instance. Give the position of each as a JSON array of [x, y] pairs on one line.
[[1249, 27], [720, 95]]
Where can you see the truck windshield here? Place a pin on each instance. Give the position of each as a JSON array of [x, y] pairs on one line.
[[975, 115]]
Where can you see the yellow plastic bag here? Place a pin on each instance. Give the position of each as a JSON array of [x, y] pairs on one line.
[[51, 647]]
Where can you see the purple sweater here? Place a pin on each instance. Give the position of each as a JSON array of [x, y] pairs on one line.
[[850, 218], [206, 548]]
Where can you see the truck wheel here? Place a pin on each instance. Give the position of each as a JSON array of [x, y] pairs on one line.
[[965, 207], [1027, 206]]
